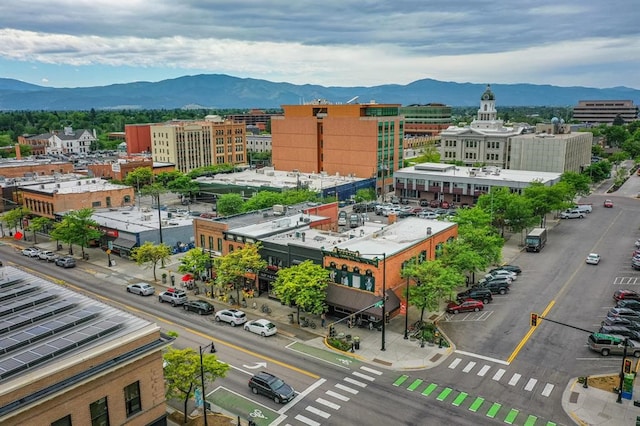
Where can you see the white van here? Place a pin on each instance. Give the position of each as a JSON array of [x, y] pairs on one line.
[[342, 218], [584, 208]]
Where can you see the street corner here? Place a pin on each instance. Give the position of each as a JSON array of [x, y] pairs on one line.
[[324, 352], [231, 402]]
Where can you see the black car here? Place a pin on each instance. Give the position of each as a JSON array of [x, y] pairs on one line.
[[629, 303], [495, 286], [512, 268], [620, 330], [482, 294], [202, 307], [267, 384]]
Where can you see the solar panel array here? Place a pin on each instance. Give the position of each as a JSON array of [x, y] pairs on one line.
[[40, 321]]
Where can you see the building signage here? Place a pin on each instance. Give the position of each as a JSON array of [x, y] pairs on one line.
[[267, 275], [351, 255], [109, 232]]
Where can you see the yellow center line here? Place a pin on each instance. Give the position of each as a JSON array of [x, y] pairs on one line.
[[515, 352]]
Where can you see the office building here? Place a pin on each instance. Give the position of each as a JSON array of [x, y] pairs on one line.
[[605, 111]]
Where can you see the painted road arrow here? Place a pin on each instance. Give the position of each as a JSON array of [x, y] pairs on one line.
[[258, 365]]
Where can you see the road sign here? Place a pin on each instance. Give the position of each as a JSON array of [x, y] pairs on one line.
[[379, 304]]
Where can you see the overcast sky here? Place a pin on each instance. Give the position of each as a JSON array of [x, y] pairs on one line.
[[77, 43]]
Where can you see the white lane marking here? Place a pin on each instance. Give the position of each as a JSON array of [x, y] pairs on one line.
[[337, 395], [499, 374], [469, 366], [371, 370], [530, 385], [327, 403], [346, 388], [306, 420], [486, 358], [315, 411], [514, 379], [300, 397], [355, 382], [455, 363], [547, 389], [484, 370], [363, 376]]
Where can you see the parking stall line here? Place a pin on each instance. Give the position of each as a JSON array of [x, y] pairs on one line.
[[327, 403], [317, 412], [469, 366], [484, 370], [499, 374], [455, 363], [530, 384], [337, 395], [346, 388], [306, 420], [514, 379], [355, 382], [363, 376]]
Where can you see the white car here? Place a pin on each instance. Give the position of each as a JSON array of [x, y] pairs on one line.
[[593, 259], [262, 327], [143, 289], [232, 316], [503, 273], [47, 255], [571, 214], [428, 215], [31, 251]]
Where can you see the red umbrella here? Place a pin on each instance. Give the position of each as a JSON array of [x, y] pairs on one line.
[[187, 277]]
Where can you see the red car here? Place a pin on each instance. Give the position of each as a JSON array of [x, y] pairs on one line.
[[465, 306], [626, 294], [608, 203]]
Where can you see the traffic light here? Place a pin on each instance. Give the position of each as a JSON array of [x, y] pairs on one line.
[[627, 366], [332, 331], [534, 320]]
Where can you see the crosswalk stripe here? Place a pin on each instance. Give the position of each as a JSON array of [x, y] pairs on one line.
[[484, 370], [337, 395], [429, 389], [363, 376], [460, 398], [530, 385], [547, 389], [346, 388], [400, 380], [371, 370], [514, 379], [327, 403], [494, 410], [499, 374], [306, 420], [511, 417], [413, 386], [317, 412], [475, 405], [455, 363], [355, 382], [469, 366]]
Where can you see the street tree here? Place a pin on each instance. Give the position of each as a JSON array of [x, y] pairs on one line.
[[598, 171], [367, 194], [65, 232], [474, 217], [182, 373], [14, 217], [195, 262], [229, 204], [83, 227], [495, 203], [520, 215], [304, 285], [38, 224], [579, 182], [232, 268], [459, 255], [185, 186], [165, 178], [618, 157], [140, 177], [150, 254], [153, 190]]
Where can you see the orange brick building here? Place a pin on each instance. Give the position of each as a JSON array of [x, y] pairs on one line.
[[120, 170], [363, 140], [138, 138], [21, 168]]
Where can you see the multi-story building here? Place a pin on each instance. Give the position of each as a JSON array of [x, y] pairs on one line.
[[18, 168], [460, 185], [363, 140], [119, 169], [68, 141], [138, 138], [68, 359], [255, 117], [193, 144], [258, 143], [425, 120], [605, 111]]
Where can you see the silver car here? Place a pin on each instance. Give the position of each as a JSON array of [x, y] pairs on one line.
[[143, 289]]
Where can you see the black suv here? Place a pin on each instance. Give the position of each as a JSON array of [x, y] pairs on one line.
[[495, 286], [482, 294], [267, 384]]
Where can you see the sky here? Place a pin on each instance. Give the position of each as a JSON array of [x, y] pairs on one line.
[[82, 43]]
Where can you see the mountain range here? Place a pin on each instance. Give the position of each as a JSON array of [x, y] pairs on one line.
[[219, 91]]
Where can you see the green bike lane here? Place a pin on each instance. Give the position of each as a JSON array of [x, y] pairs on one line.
[[237, 404], [475, 404]]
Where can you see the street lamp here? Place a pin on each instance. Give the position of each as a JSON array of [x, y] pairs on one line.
[[212, 349], [624, 357]]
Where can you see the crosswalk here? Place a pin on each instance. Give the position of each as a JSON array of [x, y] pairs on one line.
[[529, 384], [323, 407]]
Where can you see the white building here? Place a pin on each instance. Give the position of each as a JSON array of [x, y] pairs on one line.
[[68, 141]]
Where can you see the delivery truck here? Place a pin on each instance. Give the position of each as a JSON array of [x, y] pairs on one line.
[[536, 239]]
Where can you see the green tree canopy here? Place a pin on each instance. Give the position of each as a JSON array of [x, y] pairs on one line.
[[195, 262], [304, 285], [232, 268], [38, 224], [229, 204], [151, 254], [140, 177], [578, 182]]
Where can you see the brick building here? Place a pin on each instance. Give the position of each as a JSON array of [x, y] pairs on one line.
[[120, 169], [138, 138]]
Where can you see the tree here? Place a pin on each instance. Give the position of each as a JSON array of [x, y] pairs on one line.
[[83, 227], [304, 285], [615, 135], [64, 231], [496, 203], [140, 177], [232, 268], [520, 215], [38, 224], [195, 262], [579, 182], [368, 194], [618, 157], [184, 186], [229, 204], [182, 373], [459, 255], [15, 216], [151, 254]]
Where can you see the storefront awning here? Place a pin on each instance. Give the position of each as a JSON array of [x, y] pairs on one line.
[[354, 300], [124, 243]]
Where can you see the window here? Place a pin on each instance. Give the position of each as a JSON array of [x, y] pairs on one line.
[[108, 201], [132, 398], [96, 204], [99, 412], [220, 244], [127, 199], [65, 421]]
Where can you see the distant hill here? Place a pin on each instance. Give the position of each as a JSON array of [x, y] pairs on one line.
[[223, 91]]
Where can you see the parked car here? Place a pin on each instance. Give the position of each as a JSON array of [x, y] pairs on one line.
[[428, 215], [424, 203], [608, 203], [607, 344], [31, 251], [502, 273], [512, 268], [262, 327], [617, 321], [629, 303], [490, 278], [465, 306], [624, 313], [583, 208], [620, 330], [626, 294], [66, 262], [271, 386], [231, 316], [48, 255], [173, 296], [143, 289], [572, 214], [482, 294], [500, 286], [593, 259], [201, 307]]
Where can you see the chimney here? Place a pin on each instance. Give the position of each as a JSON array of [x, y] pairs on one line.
[[18, 156]]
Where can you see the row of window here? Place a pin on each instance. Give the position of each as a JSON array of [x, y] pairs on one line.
[[99, 410]]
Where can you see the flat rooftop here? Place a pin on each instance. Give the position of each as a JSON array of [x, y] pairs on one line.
[[260, 216], [72, 186], [136, 220], [276, 224]]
